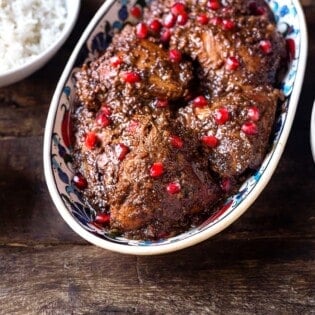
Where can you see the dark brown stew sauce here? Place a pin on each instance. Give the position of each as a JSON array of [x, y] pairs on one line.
[[176, 113]]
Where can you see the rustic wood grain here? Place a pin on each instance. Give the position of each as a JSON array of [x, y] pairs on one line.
[[226, 277], [262, 264]]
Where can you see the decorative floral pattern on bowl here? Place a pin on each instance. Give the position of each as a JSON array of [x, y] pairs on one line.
[[58, 137]]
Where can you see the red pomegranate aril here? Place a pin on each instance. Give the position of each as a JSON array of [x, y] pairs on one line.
[[290, 43], [215, 21], [221, 115], [200, 101], [250, 128], [155, 26], [79, 181], [232, 63], [182, 18], [136, 11], [106, 110], [175, 55], [253, 113], [203, 19], [169, 20], [102, 218], [265, 46], [131, 77], [255, 9], [91, 140], [214, 5], [102, 120], [115, 61], [178, 8], [228, 25], [157, 169], [261, 11], [176, 142], [166, 36], [121, 151], [226, 184], [173, 188], [162, 103], [142, 30], [210, 141]]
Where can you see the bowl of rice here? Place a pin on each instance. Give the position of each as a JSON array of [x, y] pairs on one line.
[[31, 32]]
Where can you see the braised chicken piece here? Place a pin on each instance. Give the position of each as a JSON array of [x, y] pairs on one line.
[[234, 129], [147, 172], [176, 111], [132, 60]]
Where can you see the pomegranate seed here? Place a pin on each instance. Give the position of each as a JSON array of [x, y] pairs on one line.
[[133, 126], [175, 55], [102, 119], [200, 101], [161, 103], [102, 218], [265, 46], [228, 25], [121, 151], [250, 128], [176, 142], [261, 11], [91, 140], [136, 12], [210, 141], [156, 170], [155, 26], [216, 21], [79, 181], [106, 110], [178, 8], [203, 19], [256, 10], [226, 184], [131, 77], [214, 5], [253, 113], [142, 30], [232, 63], [169, 20], [115, 61], [221, 115], [166, 36], [182, 18], [173, 188], [291, 48]]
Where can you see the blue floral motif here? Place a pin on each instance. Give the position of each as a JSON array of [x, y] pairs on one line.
[[284, 11], [123, 13], [99, 39], [100, 42], [67, 90], [62, 175]]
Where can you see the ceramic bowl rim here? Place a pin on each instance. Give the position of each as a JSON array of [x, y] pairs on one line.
[[220, 225]]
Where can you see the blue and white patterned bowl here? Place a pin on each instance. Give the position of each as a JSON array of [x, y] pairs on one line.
[[110, 18]]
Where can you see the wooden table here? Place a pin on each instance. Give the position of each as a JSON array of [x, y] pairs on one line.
[[263, 264]]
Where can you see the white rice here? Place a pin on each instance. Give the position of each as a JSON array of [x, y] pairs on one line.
[[27, 28]]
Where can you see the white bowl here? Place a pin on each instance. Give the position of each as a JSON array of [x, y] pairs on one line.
[[57, 152], [312, 136], [18, 73]]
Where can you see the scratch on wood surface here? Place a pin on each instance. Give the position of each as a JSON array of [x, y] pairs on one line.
[[14, 245], [138, 271]]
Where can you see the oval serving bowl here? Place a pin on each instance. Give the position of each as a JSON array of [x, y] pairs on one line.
[[35, 63], [110, 18]]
